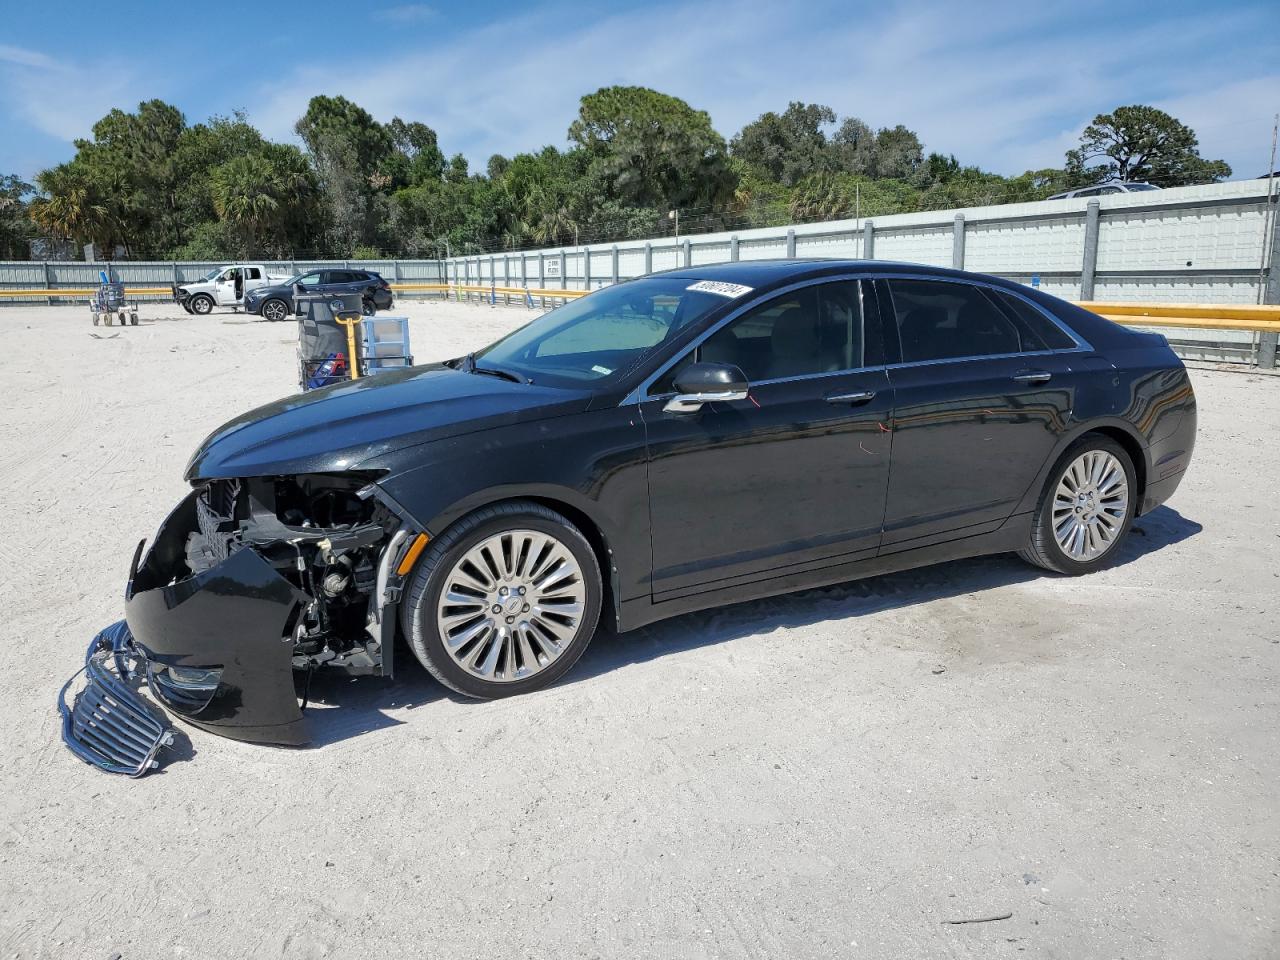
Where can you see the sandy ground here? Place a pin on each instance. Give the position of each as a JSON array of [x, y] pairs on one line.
[[832, 774]]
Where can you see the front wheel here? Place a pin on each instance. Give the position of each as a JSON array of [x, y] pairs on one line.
[[1086, 508], [504, 601], [275, 310], [201, 304]]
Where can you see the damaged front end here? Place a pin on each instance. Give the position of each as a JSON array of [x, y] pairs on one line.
[[253, 584]]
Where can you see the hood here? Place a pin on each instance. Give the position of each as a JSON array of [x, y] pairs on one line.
[[275, 289], [356, 424]]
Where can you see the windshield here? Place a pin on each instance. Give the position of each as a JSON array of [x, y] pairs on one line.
[[212, 273], [603, 333], [1134, 187]]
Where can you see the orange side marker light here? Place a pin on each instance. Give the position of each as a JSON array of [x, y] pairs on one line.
[[412, 554]]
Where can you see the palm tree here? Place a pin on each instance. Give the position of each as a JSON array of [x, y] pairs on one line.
[[245, 195], [72, 208]]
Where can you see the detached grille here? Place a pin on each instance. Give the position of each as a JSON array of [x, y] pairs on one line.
[[108, 725]]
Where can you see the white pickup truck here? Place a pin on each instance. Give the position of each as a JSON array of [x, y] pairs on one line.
[[224, 287]]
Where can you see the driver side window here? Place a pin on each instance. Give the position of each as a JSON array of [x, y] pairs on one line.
[[813, 330]]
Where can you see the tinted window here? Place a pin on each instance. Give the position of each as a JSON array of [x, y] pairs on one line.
[[816, 329], [941, 321], [341, 276], [1091, 192], [254, 273], [1048, 333]]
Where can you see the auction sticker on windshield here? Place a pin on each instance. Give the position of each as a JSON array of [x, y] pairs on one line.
[[730, 290]]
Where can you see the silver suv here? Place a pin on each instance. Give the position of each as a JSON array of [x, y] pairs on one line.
[[1103, 189]]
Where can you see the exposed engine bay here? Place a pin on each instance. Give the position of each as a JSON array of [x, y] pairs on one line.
[[326, 535]]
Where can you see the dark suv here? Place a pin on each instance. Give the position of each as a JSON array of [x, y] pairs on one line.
[[276, 302]]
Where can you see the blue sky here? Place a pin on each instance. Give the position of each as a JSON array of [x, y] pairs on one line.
[[1004, 85]]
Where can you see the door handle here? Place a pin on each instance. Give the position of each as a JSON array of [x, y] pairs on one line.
[[860, 396], [1033, 376]]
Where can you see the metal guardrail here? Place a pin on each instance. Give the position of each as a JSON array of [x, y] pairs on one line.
[[1197, 316], [1263, 319], [72, 292]]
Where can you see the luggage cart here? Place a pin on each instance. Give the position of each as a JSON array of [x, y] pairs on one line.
[[109, 304]]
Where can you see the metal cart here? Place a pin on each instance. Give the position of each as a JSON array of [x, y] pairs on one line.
[[109, 304], [334, 336]]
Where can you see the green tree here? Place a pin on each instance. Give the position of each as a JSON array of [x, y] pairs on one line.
[[15, 226], [1144, 144], [853, 148], [76, 205], [416, 157], [349, 150], [787, 147], [653, 150], [898, 153]]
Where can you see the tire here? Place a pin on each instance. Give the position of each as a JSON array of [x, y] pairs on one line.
[[1093, 516], [202, 304], [187, 306], [274, 310], [368, 308], [479, 634]]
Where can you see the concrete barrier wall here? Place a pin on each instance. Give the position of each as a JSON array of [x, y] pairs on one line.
[[1208, 244]]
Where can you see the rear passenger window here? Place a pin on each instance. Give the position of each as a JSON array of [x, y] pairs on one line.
[[940, 320], [254, 273], [1045, 330]]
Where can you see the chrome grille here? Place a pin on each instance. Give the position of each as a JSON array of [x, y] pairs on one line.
[[108, 724]]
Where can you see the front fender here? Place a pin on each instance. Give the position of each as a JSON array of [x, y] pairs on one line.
[[593, 464]]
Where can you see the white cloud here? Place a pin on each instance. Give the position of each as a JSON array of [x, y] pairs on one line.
[[24, 58], [64, 100], [1009, 87]]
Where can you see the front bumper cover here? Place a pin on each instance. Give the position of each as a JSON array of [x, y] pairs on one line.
[[237, 618]]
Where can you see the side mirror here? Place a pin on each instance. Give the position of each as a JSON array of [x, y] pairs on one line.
[[702, 383]]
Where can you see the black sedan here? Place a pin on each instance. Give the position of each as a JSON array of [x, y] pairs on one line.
[[680, 441], [276, 302]]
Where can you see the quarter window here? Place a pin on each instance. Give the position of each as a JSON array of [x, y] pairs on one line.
[[1048, 333], [940, 320]]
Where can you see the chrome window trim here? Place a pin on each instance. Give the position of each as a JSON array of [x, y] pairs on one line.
[[640, 394]]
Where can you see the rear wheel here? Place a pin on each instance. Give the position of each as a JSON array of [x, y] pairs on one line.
[[275, 310], [1086, 508], [503, 602], [367, 308]]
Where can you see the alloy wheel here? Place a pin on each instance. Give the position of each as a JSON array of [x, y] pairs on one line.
[[1090, 505], [274, 310], [511, 605]]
